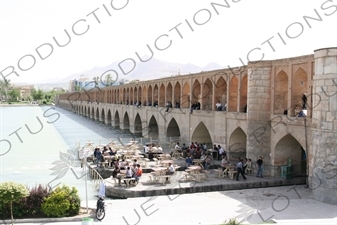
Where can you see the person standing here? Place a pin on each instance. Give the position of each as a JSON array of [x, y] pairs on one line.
[[239, 167], [259, 167]]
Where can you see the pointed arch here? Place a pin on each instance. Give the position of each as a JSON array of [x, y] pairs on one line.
[[138, 124], [299, 87], [126, 122], [207, 95], [237, 144], [149, 95], [103, 116], [153, 128], [155, 93], [196, 91], [202, 135], [177, 93], [109, 117], [117, 122], [139, 96], [173, 129], [97, 114], [162, 96], [169, 93], [281, 93], [185, 98], [233, 94], [289, 148], [133, 93], [243, 93], [145, 97], [220, 91]]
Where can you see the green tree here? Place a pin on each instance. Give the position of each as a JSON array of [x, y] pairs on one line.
[[5, 86], [96, 79], [14, 94], [12, 192], [108, 80], [37, 95]]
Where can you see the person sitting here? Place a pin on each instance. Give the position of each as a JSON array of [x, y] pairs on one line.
[[218, 106], [188, 161], [115, 171], [170, 169], [149, 104], [177, 147], [128, 173], [138, 174], [159, 149], [155, 104], [177, 105], [224, 164], [139, 104], [184, 150]]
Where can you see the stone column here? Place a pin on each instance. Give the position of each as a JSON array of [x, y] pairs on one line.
[[258, 114], [323, 158]]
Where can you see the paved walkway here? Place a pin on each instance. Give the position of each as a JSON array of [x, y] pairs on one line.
[[284, 205]]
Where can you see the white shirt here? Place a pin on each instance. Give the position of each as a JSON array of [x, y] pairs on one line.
[[146, 149], [160, 149], [177, 147], [221, 151], [218, 104], [171, 168]]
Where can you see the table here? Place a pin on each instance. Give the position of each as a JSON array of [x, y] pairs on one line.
[[166, 162], [198, 162]]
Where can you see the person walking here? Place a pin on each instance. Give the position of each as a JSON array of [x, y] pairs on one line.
[[259, 167], [239, 167]]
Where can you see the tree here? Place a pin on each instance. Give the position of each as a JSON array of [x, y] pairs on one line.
[[37, 95], [14, 94], [108, 80], [5, 86], [12, 192], [96, 79]]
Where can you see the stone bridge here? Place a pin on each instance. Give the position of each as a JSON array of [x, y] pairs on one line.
[[259, 118]]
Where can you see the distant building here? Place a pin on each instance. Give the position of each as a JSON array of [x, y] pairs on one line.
[[25, 90], [85, 83]]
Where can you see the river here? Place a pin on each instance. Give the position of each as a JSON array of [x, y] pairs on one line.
[[34, 139]]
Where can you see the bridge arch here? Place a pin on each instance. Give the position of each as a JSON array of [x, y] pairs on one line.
[[173, 129], [202, 135], [177, 93], [220, 93], [196, 91], [281, 93], [109, 117], [149, 95], [97, 114], [126, 122], [243, 94], [185, 98], [299, 87], [162, 96], [155, 94], [289, 148], [169, 93], [237, 144], [117, 121], [103, 116], [138, 124], [233, 94], [207, 95], [153, 130]]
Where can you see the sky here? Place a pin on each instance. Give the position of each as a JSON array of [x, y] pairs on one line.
[[185, 31]]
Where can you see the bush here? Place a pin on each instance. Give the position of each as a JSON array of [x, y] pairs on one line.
[[26, 207], [62, 202]]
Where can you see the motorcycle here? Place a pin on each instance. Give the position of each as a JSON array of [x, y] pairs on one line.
[[100, 208]]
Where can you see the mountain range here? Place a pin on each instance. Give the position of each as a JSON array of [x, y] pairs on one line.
[[152, 69]]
